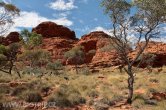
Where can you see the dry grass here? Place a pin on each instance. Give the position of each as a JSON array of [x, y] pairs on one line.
[[90, 87]]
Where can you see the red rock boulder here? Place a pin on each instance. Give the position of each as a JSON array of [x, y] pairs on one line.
[[12, 37], [51, 29]]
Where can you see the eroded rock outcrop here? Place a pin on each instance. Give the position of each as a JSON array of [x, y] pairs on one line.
[[10, 38], [57, 39], [156, 48], [93, 44], [57, 46], [51, 29]]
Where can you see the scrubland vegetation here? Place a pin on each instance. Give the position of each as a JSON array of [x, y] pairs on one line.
[[31, 79], [98, 91]]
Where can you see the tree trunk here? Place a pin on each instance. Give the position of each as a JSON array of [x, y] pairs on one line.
[[11, 67], [130, 85]]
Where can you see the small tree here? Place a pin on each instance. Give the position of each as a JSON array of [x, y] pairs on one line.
[[54, 67], [35, 57], [8, 56], [76, 55], [7, 13], [30, 40], [144, 22]]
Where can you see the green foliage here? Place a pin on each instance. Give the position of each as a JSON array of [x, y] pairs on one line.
[[36, 57], [8, 13], [54, 67], [147, 58], [93, 93], [57, 65], [18, 90], [2, 49], [35, 39], [8, 57], [30, 39], [67, 96], [75, 53], [32, 97]]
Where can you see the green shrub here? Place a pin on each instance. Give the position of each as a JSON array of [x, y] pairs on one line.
[[18, 90], [93, 93], [85, 71], [4, 89], [138, 103], [107, 101], [117, 98], [59, 100], [32, 97], [101, 106], [90, 102], [45, 89], [76, 99]]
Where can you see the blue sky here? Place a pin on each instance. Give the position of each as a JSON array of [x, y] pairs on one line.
[[82, 16]]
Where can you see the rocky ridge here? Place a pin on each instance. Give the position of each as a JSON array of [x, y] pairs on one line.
[[58, 39]]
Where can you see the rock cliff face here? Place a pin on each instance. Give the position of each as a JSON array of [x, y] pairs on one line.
[[11, 38], [59, 39], [93, 44], [156, 48], [57, 46], [50, 29]]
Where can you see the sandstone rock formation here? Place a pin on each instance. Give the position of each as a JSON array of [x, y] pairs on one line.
[[10, 38], [51, 29], [96, 41], [57, 39], [156, 48], [57, 46]]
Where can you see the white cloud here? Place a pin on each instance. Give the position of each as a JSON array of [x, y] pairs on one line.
[[32, 19], [62, 5], [62, 14], [107, 31]]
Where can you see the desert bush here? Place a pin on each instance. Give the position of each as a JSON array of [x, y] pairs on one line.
[[4, 89], [85, 71], [138, 103], [35, 84], [35, 57], [116, 97], [90, 102], [59, 100], [18, 90], [76, 99], [30, 40], [32, 96], [153, 80], [161, 106], [107, 101], [100, 106], [54, 67], [67, 96], [45, 89], [76, 54], [93, 93]]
